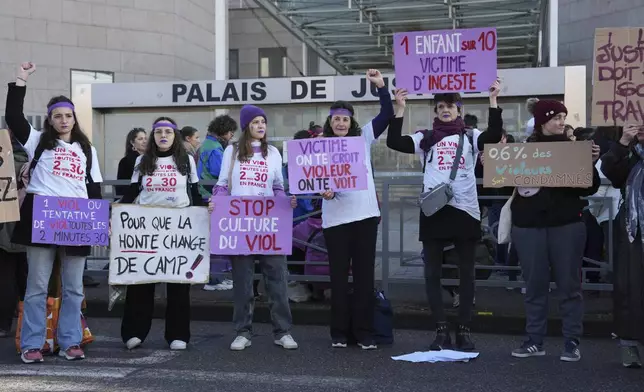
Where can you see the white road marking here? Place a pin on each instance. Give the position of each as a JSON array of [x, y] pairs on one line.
[[155, 357], [65, 371], [27, 384]]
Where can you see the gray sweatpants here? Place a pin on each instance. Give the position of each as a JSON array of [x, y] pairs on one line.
[[560, 249]]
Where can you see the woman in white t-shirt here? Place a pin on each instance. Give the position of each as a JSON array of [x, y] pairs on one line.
[[241, 166], [458, 222], [350, 227], [63, 164], [164, 176]]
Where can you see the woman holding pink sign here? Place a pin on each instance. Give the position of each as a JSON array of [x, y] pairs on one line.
[[449, 202], [63, 164], [164, 176], [239, 176], [350, 226]]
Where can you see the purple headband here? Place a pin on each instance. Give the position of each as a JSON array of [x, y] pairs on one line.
[[63, 104], [164, 124], [340, 112]]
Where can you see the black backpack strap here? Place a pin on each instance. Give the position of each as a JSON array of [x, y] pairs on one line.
[[34, 161], [429, 132]]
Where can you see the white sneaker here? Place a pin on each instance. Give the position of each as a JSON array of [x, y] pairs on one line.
[[240, 343], [178, 345], [228, 282], [223, 286], [133, 343], [287, 342]]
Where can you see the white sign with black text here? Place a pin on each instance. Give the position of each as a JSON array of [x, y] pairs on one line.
[[156, 244]]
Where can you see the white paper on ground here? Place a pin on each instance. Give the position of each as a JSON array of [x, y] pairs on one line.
[[437, 356]]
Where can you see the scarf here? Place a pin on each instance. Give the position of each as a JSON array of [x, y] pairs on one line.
[[634, 198], [440, 130]]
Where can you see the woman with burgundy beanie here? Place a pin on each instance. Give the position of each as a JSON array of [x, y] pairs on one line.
[[548, 233], [241, 162]]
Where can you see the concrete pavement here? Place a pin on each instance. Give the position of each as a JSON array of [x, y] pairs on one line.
[[208, 365]]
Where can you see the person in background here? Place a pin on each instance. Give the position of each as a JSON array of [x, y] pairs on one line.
[[13, 259], [61, 137], [550, 236], [458, 222], [471, 123], [220, 131], [191, 141], [135, 143], [304, 205], [623, 165], [250, 153], [529, 106], [569, 131], [164, 149]]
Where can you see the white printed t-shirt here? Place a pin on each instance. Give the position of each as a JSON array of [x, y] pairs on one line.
[[439, 166], [354, 206], [60, 172], [258, 176], [166, 187]]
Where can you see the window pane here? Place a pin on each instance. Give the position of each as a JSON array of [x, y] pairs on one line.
[[264, 67], [233, 64]]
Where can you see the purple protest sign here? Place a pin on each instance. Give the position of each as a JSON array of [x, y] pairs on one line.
[[250, 225], [70, 221], [462, 60], [320, 164]]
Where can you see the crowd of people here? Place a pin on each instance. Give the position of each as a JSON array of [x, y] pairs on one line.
[[549, 226]]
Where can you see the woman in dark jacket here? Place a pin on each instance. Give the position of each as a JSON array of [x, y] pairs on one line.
[[135, 143], [623, 165], [548, 232]]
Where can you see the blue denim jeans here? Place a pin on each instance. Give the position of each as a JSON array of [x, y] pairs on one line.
[[275, 279], [33, 330]]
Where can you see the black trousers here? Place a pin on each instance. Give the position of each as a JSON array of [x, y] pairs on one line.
[[434, 271], [352, 246], [13, 283], [139, 307]]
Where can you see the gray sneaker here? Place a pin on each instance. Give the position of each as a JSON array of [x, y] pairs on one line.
[[529, 349], [631, 357], [571, 351]]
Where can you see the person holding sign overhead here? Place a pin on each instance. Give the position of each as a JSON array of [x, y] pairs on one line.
[[449, 206], [63, 164], [252, 167], [549, 234], [350, 226], [164, 176]]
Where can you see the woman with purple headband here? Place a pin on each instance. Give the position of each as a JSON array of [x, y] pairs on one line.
[[63, 164], [459, 221], [350, 227], [164, 176]]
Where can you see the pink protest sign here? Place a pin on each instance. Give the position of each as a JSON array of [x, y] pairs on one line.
[[334, 163], [245, 225], [462, 60]]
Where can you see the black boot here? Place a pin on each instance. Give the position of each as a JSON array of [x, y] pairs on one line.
[[442, 341], [463, 339]]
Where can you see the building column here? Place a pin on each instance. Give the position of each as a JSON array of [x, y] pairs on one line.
[[553, 33], [221, 45]]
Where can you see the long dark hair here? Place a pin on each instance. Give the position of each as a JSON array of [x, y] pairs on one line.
[[129, 139], [149, 159], [245, 147], [49, 136], [354, 128]]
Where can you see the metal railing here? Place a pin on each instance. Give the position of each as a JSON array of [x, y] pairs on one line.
[[406, 258]]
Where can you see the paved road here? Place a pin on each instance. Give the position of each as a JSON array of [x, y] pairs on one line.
[[208, 365]]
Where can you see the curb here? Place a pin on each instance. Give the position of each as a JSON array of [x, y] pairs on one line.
[[595, 325]]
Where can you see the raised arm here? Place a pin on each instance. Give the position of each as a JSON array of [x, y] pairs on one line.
[[381, 121], [395, 140], [14, 109], [494, 131]]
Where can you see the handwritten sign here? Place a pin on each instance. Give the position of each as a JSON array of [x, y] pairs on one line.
[[336, 164], [548, 165], [70, 221], [9, 206], [251, 225], [462, 60], [618, 77], [155, 244]]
